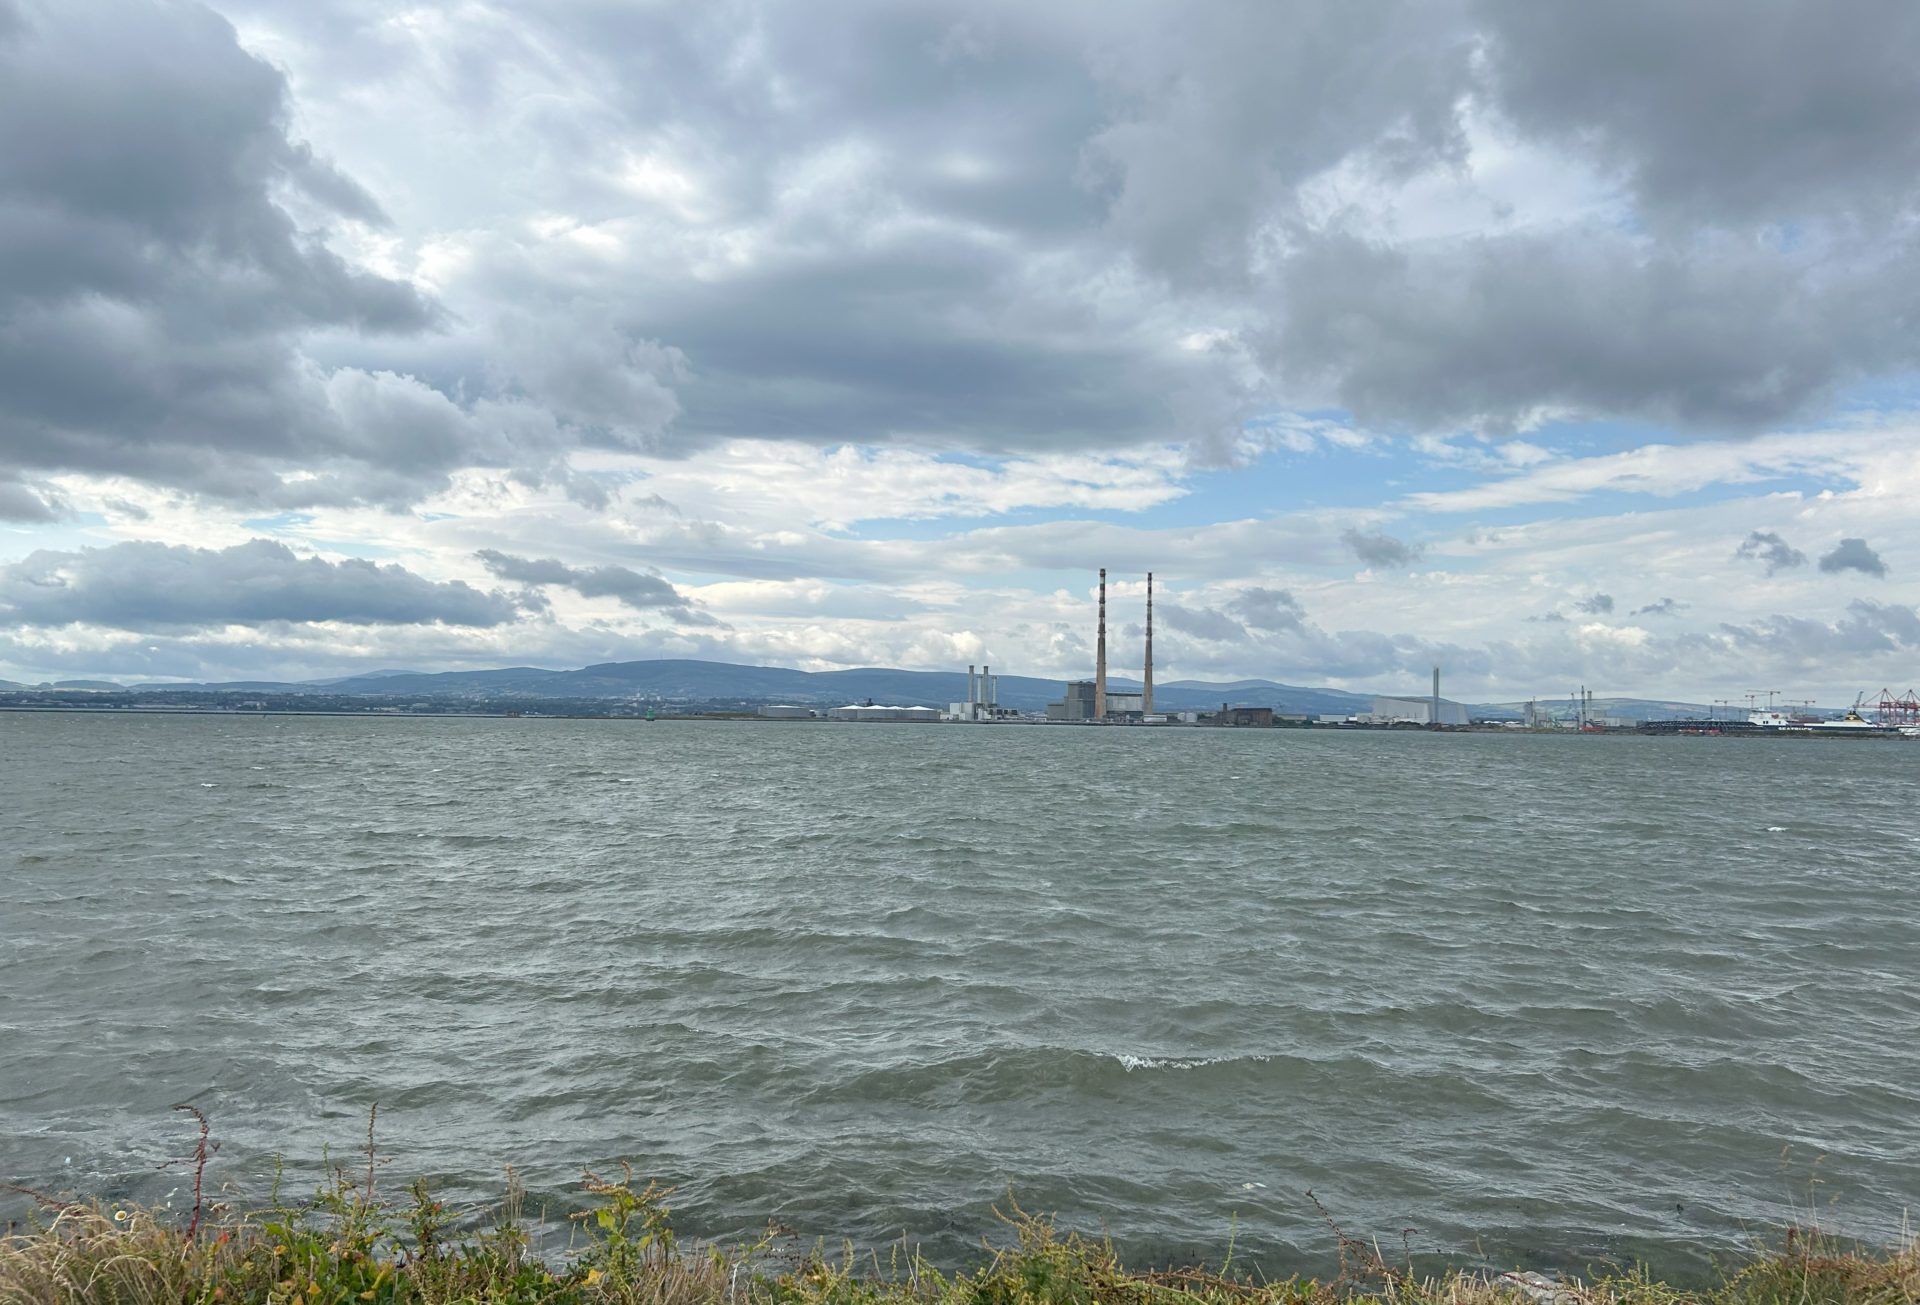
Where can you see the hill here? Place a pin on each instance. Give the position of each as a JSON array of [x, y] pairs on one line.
[[671, 680], [690, 681], [687, 680]]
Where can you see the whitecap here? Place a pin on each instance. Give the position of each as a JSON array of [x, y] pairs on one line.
[[1776, 829], [1131, 1063]]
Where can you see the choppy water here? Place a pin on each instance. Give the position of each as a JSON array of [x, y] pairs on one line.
[[1546, 1000]]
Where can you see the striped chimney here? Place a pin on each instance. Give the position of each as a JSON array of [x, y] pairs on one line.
[[1100, 655]]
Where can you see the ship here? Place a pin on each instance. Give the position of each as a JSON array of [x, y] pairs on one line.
[[1851, 724]]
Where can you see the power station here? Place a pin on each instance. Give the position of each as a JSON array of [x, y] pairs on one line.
[[1091, 700]]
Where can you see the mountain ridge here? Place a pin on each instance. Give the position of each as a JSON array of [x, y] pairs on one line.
[[683, 679], [693, 680]]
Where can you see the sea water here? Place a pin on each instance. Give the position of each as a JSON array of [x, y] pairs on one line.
[[1552, 1001]]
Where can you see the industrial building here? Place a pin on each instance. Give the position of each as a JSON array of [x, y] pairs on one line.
[[1242, 717], [1415, 711], [1432, 711], [983, 700], [1077, 705], [870, 712]]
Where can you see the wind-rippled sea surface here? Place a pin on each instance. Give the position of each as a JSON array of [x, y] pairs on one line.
[[1546, 1000]]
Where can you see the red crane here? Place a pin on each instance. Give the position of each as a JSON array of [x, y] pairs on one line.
[[1899, 710]]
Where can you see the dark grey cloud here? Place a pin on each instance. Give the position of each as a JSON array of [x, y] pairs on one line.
[[1767, 546], [1661, 607], [1853, 555], [993, 227], [1269, 609], [1866, 629], [151, 586], [964, 224], [1201, 622], [167, 292], [1724, 112], [1223, 110], [1595, 604], [23, 502], [1379, 549], [1714, 335], [153, 283], [642, 591], [1764, 149]]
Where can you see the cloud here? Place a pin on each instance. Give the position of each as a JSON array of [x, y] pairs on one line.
[[154, 285], [161, 587], [1866, 629], [22, 502], [1001, 230], [1497, 332], [646, 592], [1595, 604], [1269, 609], [1661, 607], [1821, 101], [1201, 622], [1192, 163], [824, 278], [1749, 263], [1853, 555], [1378, 549], [1767, 546]]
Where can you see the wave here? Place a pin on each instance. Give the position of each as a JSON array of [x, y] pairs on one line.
[[1130, 1063]]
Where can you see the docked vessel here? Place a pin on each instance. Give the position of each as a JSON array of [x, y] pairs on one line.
[[1851, 723]]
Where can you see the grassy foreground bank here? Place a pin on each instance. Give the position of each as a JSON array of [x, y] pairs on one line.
[[348, 1246], [352, 1244]]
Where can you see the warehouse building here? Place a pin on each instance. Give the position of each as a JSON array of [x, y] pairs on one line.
[[1415, 711], [869, 711]]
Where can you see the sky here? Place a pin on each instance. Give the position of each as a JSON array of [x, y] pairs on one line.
[[1555, 345]]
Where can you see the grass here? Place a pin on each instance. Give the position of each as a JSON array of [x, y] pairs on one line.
[[349, 1245]]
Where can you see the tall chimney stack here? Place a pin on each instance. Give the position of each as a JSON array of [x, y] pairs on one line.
[[1100, 655], [972, 696], [1146, 693], [1435, 722]]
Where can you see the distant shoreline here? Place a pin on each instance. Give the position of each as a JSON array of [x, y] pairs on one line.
[[751, 718]]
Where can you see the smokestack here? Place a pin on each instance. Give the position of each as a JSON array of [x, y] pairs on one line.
[[986, 685], [972, 697], [1146, 693], [1100, 655], [1435, 722]]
